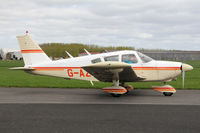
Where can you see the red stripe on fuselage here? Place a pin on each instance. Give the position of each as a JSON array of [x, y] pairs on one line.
[[54, 68], [156, 68]]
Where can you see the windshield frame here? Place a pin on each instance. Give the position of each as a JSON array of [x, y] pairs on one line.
[[144, 58]]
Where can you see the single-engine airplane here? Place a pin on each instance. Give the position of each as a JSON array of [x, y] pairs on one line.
[[117, 67]]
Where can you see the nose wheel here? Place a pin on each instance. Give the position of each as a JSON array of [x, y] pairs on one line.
[[167, 90], [115, 95]]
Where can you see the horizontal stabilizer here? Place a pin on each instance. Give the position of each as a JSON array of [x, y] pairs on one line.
[[21, 68]]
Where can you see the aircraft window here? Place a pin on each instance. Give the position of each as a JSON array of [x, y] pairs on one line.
[[144, 58], [129, 58], [96, 60], [112, 58]]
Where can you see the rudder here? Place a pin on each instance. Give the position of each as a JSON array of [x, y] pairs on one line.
[[31, 51]]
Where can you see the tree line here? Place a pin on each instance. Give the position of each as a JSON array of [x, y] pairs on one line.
[[58, 49]]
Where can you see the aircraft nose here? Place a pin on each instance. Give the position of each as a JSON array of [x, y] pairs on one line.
[[186, 67]]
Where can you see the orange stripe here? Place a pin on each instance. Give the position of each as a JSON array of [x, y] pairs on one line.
[[32, 51], [163, 89], [156, 68], [114, 90], [54, 68], [134, 68]]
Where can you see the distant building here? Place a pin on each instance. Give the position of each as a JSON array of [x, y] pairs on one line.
[[173, 55], [10, 54], [165, 55]]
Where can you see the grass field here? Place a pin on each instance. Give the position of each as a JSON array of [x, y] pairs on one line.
[[14, 78]]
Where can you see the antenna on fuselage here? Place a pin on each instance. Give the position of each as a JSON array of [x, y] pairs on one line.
[[69, 54], [87, 52]]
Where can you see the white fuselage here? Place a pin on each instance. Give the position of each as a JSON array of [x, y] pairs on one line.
[[71, 68]]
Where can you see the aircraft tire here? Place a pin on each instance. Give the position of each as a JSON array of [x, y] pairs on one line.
[[115, 95], [168, 93], [127, 92]]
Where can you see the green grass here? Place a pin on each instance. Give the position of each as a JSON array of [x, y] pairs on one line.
[[14, 78]]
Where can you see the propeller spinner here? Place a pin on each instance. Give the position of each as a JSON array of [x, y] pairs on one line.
[[185, 68]]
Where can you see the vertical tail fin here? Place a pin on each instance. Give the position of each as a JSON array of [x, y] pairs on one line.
[[31, 51]]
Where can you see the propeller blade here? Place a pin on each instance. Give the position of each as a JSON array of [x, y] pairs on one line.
[[183, 78]]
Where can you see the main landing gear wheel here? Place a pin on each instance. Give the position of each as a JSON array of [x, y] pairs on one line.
[[168, 93], [127, 91], [127, 87], [115, 95]]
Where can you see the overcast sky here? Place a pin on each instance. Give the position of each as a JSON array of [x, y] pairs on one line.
[[152, 24]]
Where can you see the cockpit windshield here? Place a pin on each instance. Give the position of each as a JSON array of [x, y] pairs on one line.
[[144, 58]]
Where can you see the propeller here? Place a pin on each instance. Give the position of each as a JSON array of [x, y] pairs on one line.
[[185, 68], [183, 78], [183, 75]]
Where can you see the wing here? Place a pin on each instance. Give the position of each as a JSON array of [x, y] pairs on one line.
[[107, 71]]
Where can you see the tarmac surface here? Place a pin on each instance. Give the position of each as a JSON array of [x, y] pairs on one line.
[[96, 96], [41, 110]]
